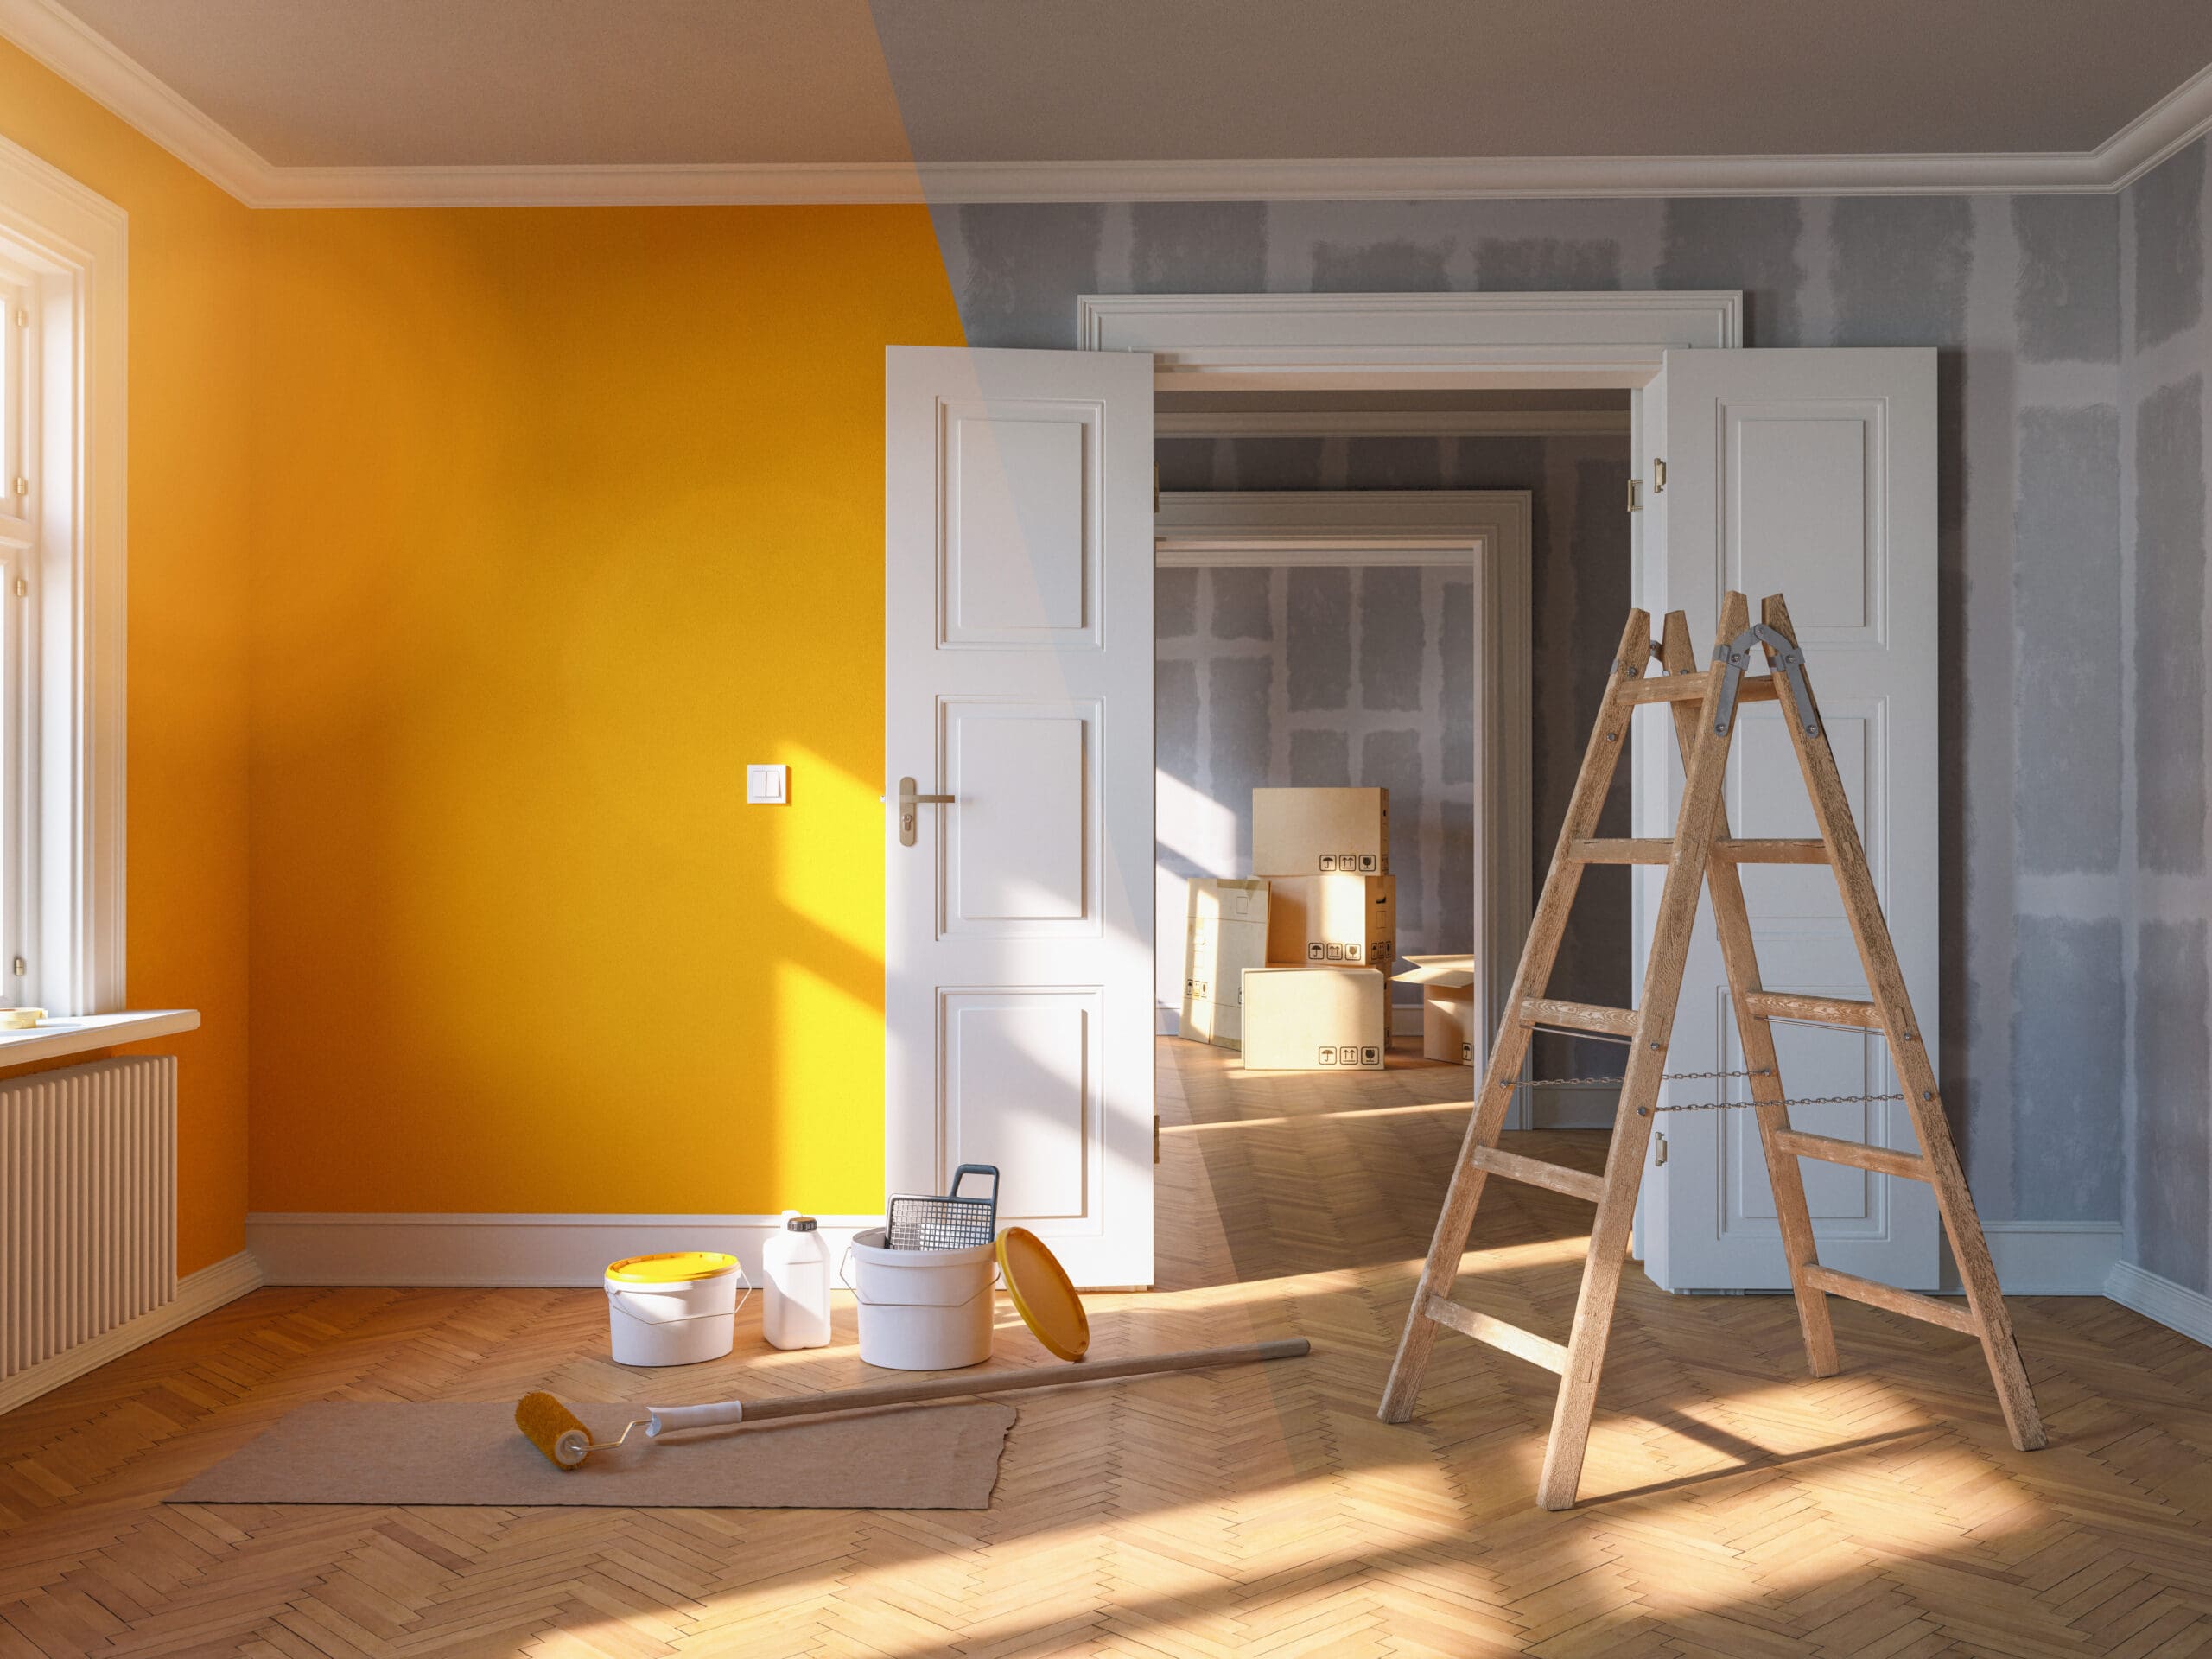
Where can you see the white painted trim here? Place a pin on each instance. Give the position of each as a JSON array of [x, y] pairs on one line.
[[56, 1038], [79, 241], [1385, 424], [2045, 1258], [509, 1249], [58, 39], [196, 1294], [1391, 341], [2175, 1306]]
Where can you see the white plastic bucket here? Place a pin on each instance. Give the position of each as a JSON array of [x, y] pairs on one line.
[[677, 1320], [921, 1310]]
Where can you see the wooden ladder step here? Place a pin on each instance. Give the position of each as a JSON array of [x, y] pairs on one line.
[[1534, 1172], [1817, 1010], [1526, 1344], [1690, 688], [1645, 849], [1910, 1303], [1577, 1016], [1881, 1159]]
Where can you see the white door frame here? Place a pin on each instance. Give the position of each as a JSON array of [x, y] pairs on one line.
[[1485, 529]]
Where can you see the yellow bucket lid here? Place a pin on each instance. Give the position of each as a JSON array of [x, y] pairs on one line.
[[1043, 1293], [671, 1267]]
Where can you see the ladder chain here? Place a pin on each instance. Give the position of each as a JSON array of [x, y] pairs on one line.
[[1713, 1105]]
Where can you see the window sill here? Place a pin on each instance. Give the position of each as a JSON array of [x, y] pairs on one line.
[[79, 1034]]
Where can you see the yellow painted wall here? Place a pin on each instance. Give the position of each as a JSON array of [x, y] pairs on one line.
[[190, 248], [561, 517]]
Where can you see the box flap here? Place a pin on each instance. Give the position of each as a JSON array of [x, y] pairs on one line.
[[1438, 971]]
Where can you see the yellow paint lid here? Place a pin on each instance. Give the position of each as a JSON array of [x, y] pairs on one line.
[[1043, 1293], [671, 1267]]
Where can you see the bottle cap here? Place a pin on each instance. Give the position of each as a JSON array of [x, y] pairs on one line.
[[799, 1225]]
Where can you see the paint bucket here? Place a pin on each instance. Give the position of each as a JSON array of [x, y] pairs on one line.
[[921, 1310], [675, 1308]]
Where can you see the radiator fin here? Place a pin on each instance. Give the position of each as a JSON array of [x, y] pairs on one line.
[[87, 1204]]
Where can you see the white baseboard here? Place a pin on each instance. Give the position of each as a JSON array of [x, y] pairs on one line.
[[2046, 1258], [196, 1294], [1404, 1021], [502, 1249], [2175, 1306]]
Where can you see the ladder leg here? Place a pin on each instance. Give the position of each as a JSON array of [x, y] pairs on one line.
[[1441, 1270], [1733, 925], [1608, 737], [1647, 1065], [1915, 1069]]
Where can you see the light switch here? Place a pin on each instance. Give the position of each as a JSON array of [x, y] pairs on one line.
[[766, 785]]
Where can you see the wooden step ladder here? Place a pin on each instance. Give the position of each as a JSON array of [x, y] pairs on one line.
[[1702, 853]]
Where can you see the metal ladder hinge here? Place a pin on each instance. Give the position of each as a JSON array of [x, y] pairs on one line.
[[1787, 660]]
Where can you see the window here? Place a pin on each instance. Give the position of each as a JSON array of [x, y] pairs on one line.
[[62, 385]]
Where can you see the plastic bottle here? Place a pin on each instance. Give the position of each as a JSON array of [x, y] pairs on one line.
[[795, 1304]]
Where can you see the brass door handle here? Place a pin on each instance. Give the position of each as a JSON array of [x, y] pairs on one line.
[[908, 802]]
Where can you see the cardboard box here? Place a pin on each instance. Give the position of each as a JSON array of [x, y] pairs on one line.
[[1320, 831], [1225, 931], [1326, 1018], [1449, 1029], [1319, 918]]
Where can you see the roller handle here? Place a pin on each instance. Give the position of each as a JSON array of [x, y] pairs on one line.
[[954, 1388], [666, 1418]]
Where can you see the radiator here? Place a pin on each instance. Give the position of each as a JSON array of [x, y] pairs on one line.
[[87, 1204]]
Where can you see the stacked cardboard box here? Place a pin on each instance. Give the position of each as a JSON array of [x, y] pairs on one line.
[[1322, 1000], [1225, 931], [1448, 1009]]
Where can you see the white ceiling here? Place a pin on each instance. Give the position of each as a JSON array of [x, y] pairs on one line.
[[1182, 96]]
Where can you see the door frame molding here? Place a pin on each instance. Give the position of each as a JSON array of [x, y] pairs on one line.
[[1229, 342], [1488, 530], [1222, 342]]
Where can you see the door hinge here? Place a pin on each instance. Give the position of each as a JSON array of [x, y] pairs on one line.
[[23, 317], [1659, 1151], [23, 587], [1635, 503], [21, 967], [22, 486], [1658, 475]]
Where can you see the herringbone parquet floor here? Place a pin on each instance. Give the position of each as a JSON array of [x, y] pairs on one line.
[[1732, 1507]]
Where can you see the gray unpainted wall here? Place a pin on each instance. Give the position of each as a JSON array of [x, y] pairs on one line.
[[1580, 592], [2166, 322], [2022, 296]]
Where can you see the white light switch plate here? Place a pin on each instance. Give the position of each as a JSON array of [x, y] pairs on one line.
[[767, 785]]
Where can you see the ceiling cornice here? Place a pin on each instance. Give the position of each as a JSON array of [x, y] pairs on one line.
[[58, 39]]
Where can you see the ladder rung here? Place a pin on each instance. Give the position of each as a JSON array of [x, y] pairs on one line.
[[1578, 1016], [1910, 1303], [1646, 849], [1537, 1351], [1818, 1010], [1690, 688], [1575, 1183], [1881, 1159]]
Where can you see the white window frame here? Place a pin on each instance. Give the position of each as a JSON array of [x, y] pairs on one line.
[[64, 249]]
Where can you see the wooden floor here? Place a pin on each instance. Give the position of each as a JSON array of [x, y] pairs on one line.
[[1732, 1506]]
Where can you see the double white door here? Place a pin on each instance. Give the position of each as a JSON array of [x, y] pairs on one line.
[[1018, 681]]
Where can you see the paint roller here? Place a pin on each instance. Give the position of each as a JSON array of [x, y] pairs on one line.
[[562, 1436]]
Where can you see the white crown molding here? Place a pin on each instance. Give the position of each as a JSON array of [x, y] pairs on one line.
[[88, 60]]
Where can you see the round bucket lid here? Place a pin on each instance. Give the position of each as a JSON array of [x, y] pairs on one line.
[[1043, 1293], [671, 1267]]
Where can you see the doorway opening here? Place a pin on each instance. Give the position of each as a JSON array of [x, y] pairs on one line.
[[1396, 589]]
